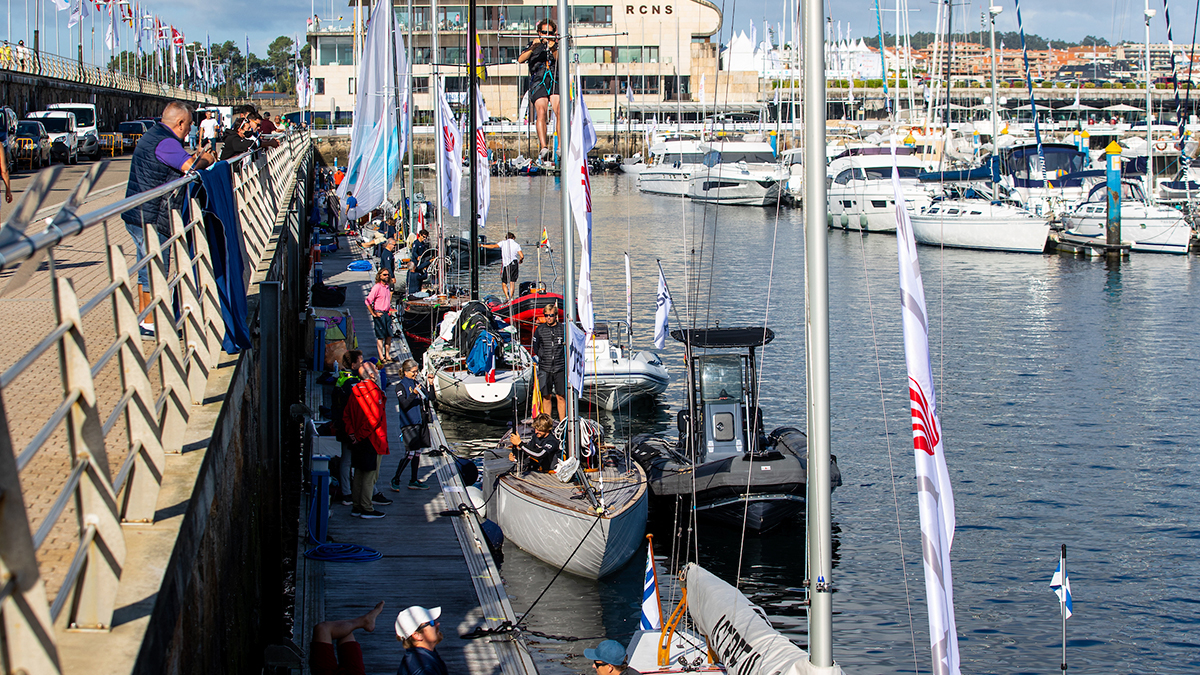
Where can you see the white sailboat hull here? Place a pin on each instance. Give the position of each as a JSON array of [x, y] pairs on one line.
[[991, 228], [551, 533], [463, 392], [1147, 229]]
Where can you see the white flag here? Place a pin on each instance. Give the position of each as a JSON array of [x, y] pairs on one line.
[[483, 173], [579, 188], [934, 494], [651, 605], [662, 314], [523, 109], [628, 295], [112, 34], [375, 142], [449, 142], [1060, 583], [62, 4], [79, 11]]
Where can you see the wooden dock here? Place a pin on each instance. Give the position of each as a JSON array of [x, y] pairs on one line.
[[430, 558]]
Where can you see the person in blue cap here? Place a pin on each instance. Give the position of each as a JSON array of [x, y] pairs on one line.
[[608, 658]]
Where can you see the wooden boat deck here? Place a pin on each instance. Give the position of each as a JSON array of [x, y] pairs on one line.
[[619, 489]]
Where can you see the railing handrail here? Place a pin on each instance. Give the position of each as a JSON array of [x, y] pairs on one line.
[[59, 67]]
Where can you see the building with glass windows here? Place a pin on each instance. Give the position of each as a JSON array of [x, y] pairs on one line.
[[660, 50]]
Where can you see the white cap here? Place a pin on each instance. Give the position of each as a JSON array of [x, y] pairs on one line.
[[408, 620]]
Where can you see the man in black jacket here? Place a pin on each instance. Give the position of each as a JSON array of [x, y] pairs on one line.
[[549, 353]]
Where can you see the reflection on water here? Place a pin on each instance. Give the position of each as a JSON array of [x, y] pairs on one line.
[[1068, 405]]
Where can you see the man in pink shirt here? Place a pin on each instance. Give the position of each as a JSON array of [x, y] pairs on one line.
[[379, 302]]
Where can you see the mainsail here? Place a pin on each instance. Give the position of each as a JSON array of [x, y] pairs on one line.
[[376, 141]]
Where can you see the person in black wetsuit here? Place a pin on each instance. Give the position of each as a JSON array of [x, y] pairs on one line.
[[542, 57], [539, 452], [549, 353]]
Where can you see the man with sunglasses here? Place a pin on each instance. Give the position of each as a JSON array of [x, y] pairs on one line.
[[542, 57], [608, 658], [418, 629]]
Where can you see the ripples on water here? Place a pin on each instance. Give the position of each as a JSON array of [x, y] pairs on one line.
[[1069, 413]]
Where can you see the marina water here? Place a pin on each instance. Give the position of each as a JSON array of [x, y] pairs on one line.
[[1068, 399]]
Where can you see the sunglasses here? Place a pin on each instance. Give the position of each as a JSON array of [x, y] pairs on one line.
[[599, 664], [542, 32]]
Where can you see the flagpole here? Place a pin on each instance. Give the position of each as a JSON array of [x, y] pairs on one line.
[[1062, 606]]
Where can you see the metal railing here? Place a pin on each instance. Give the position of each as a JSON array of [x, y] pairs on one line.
[[160, 379], [72, 70]]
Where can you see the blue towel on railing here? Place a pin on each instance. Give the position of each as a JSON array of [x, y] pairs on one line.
[[226, 244]]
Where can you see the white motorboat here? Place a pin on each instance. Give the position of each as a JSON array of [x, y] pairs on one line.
[[614, 374], [860, 189], [1145, 227], [793, 159], [670, 168], [588, 526], [742, 173], [458, 388], [980, 223]]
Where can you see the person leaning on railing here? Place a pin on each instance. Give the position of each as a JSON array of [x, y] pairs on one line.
[[159, 158]]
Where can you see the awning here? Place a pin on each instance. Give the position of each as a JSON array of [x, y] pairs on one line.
[[724, 338]]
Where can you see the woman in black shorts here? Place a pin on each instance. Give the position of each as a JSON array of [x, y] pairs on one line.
[[542, 57]]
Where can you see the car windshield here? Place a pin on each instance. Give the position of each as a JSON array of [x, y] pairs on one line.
[[28, 129], [83, 116], [54, 124], [130, 128]]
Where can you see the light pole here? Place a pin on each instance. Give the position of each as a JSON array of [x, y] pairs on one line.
[[993, 12], [1149, 14]]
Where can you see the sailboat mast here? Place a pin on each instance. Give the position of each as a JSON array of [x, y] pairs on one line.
[[439, 170], [993, 11], [820, 537], [412, 114], [564, 132], [472, 151]]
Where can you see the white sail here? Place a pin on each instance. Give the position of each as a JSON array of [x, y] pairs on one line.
[[375, 140], [738, 631]]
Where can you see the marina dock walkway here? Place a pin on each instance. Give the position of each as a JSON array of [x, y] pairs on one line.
[[423, 560]]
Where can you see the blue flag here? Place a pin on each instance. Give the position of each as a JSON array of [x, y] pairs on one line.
[[1061, 585]]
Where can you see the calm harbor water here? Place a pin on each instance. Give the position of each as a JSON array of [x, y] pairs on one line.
[[1069, 412]]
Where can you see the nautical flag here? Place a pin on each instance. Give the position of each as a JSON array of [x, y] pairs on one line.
[[490, 376], [450, 149], [628, 295], [483, 174], [701, 88], [651, 607], [629, 92], [934, 494], [1000, 53], [662, 314], [579, 186], [545, 241], [62, 4], [79, 11], [753, 36], [1061, 584], [112, 33]]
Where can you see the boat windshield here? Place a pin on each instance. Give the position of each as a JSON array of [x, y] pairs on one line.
[[735, 156], [682, 158], [885, 172], [1022, 163], [720, 378]]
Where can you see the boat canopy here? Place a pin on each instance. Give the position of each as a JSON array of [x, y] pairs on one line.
[[1131, 191], [1061, 159], [724, 338], [990, 171]]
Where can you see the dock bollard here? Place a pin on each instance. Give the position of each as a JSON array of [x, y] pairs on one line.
[[1112, 229], [320, 508]]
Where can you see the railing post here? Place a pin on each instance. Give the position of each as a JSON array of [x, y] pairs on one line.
[[139, 490], [176, 400], [95, 592], [26, 630], [186, 292], [205, 278]]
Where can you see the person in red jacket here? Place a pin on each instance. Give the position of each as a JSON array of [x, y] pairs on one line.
[[365, 421]]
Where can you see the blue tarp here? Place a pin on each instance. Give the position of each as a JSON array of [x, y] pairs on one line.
[[225, 245]]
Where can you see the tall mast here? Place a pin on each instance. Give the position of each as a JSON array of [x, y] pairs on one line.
[[1149, 14], [412, 113], [564, 131], [820, 536], [437, 135], [472, 151], [993, 12]]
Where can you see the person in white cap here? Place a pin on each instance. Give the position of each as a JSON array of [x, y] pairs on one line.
[[417, 628]]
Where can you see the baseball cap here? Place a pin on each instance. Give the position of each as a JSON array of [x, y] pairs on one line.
[[609, 651], [408, 620]]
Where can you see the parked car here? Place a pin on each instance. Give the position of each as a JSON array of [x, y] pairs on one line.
[[131, 131], [63, 133], [8, 127], [36, 132], [87, 127]]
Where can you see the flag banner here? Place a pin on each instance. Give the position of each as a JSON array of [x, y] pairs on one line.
[[628, 295], [483, 175], [1061, 585], [577, 348], [702, 89], [79, 12], [375, 143], [934, 495], [651, 606], [579, 188], [662, 314], [112, 32], [450, 152], [62, 4], [523, 110], [545, 240]]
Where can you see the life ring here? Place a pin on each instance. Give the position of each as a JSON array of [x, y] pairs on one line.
[[1160, 146]]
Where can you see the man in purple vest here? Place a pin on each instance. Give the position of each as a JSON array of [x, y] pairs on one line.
[[160, 158]]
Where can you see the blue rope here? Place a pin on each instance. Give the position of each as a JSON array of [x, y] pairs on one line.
[[351, 553]]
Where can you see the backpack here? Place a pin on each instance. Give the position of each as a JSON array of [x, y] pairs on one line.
[[481, 358]]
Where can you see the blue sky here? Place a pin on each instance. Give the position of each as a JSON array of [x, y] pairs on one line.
[[264, 20]]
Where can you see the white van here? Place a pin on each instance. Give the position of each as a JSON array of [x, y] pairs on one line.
[[88, 129], [64, 137]]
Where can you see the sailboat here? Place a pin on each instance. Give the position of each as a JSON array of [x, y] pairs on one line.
[[585, 520]]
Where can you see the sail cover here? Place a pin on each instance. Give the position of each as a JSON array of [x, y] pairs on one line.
[[738, 631], [376, 141]]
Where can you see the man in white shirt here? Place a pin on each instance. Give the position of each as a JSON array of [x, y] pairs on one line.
[[511, 258], [208, 131]]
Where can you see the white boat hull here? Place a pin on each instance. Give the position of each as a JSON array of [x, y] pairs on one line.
[[1001, 228], [611, 383], [1146, 229], [551, 533], [664, 180], [725, 188], [461, 391]]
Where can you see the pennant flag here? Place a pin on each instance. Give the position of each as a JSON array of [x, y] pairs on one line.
[[1061, 584], [450, 151], [545, 240], [523, 110], [629, 92], [702, 89], [662, 314], [934, 494], [651, 606], [579, 186], [79, 12], [483, 177]]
